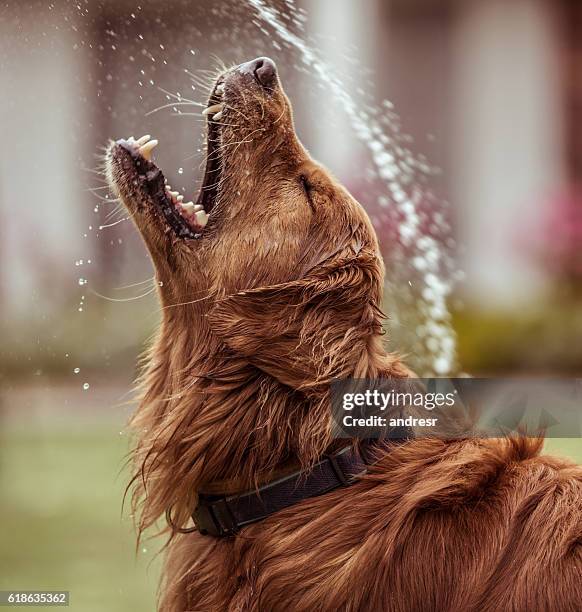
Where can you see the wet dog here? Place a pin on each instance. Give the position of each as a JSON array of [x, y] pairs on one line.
[[271, 284]]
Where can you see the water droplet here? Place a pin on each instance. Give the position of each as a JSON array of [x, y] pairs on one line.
[[85, 386], [77, 370], [180, 170]]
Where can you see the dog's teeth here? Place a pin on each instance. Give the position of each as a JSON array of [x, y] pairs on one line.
[[201, 218], [217, 117], [146, 149], [175, 193], [220, 88], [141, 141], [188, 207], [179, 198], [198, 207], [210, 110]]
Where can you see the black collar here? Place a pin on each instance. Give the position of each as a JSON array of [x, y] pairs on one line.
[[224, 515]]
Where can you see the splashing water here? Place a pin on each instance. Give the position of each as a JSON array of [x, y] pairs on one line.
[[398, 170], [421, 270]]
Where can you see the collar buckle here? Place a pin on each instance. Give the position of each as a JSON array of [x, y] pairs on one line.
[[337, 470], [213, 516]]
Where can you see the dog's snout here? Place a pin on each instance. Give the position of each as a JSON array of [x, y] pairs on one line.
[[263, 69]]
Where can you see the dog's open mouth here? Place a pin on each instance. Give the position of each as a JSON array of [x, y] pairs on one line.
[[186, 219]]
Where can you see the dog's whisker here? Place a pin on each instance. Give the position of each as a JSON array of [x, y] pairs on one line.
[[143, 282], [279, 117], [98, 172], [104, 199], [113, 223], [202, 82], [117, 211], [132, 299], [172, 105], [97, 188], [202, 299], [177, 97]]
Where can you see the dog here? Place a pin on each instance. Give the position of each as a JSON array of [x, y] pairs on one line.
[[270, 286]]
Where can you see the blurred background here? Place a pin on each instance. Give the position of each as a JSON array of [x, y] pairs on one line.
[[486, 94]]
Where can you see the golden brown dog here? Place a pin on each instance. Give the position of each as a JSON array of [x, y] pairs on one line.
[[271, 286]]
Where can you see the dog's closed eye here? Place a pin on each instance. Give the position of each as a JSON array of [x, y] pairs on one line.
[[308, 189]]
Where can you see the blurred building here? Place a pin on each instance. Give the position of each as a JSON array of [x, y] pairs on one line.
[[497, 88]]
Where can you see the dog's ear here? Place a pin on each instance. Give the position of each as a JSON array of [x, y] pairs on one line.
[[310, 331]]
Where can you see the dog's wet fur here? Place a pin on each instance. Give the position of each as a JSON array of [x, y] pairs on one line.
[[275, 297]]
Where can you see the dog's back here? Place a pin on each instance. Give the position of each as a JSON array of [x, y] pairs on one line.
[[478, 525]]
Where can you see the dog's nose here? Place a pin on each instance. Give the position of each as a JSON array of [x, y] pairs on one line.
[[263, 69]]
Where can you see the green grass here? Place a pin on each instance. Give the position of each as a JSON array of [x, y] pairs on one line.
[[565, 447], [61, 525], [60, 517]]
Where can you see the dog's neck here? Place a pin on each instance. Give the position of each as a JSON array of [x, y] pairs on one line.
[[207, 417]]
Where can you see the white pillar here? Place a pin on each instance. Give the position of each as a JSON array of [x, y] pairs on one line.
[[344, 30], [507, 144], [42, 186]]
